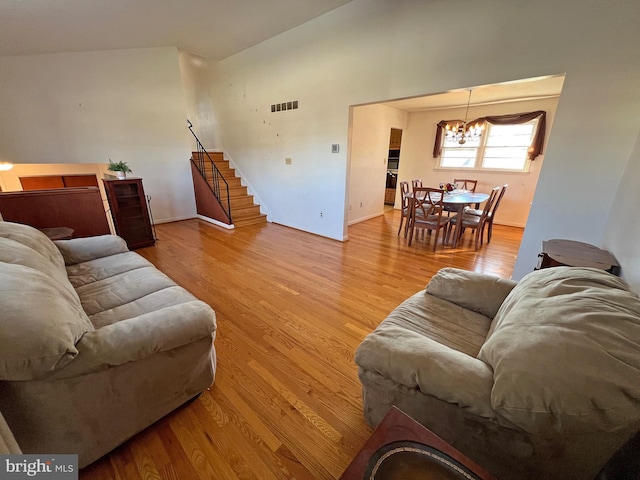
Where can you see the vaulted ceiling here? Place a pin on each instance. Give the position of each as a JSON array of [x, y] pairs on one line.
[[213, 29]]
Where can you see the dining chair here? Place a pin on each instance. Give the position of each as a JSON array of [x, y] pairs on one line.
[[492, 213], [466, 184], [425, 213], [475, 222], [416, 183], [404, 192]]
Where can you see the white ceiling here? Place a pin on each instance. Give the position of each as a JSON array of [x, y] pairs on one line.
[[214, 29], [532, 88]]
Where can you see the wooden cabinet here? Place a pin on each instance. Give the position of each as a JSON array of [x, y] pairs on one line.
[[390, 196], [130, 213], [395, 139]]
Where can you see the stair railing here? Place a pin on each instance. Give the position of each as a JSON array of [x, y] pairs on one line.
[[202, 160]]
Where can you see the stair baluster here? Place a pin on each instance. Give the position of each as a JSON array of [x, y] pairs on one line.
[[217, 180]]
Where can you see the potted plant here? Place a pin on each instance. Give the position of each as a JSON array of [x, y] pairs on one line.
[[120, 168]]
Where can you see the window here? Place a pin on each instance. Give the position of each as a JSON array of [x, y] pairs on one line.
[[501, 147], [455, 155], [506, 146]]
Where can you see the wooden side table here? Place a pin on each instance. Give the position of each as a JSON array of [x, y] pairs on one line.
[[558, 252], [401, 448]]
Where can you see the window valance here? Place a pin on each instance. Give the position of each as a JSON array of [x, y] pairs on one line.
[[512, 119]]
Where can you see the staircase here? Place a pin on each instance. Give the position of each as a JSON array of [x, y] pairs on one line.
[[243, 210]]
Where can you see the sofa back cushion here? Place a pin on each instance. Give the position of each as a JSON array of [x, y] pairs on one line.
[[474, 291], [34, 239], [41, 322], [564, 347], [18, 253]]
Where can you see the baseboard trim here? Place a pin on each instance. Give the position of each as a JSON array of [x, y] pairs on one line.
[[172, 219], [368, 217], [216, 222]]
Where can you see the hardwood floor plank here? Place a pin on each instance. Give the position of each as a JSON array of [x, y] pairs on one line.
[[296, 402], [178, 463], [228, 440], [291, 308]]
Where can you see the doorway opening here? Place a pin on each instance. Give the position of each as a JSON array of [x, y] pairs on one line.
[[417, 119], [393, 164]]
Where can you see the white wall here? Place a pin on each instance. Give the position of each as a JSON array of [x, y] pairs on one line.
[[623, 229], [194, 71], [94, 106], [416, 157], [370, 126], [373, 50]]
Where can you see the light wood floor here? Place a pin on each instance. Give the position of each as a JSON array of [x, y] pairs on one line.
[[291, 308]]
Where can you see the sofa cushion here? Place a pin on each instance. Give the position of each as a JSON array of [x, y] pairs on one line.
[[115, 291], [84, 273], [78, 250], [32, 238], [475, 291], [429, 344], [154, 301], [40, 323], [564, 349], [12, 251]]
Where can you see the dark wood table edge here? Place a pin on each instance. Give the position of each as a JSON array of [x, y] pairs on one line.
[[397, 426]]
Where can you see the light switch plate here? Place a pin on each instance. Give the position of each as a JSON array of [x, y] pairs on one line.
[[335, 148]]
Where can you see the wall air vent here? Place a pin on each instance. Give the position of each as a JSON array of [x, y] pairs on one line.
[[284, 106]]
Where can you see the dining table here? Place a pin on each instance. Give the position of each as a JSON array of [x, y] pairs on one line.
[[456, 200]]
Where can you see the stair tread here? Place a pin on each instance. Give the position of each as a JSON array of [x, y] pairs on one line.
[[244, 210], [250, 221]]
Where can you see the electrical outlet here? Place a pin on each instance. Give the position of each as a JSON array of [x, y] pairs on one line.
[[360, 204], [321, 214], [335, 148], [287, 161]]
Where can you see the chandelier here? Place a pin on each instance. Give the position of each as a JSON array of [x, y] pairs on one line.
[[461, 132]]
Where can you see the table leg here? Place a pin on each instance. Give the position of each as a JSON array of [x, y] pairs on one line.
[[458, 231]]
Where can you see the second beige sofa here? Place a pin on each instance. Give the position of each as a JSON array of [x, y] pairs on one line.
[[538, 379]]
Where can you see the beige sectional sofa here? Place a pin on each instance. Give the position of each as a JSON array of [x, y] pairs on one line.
[[95, 342], [535, 379]]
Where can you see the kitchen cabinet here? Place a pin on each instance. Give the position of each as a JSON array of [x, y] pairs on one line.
[[395, 139]]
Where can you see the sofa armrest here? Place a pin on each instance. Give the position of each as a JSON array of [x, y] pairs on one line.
[[416, 361], [140, 337], [80, 250], [474, 291]]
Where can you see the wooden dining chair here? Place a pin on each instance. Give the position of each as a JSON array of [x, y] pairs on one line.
[[416, 183], [404, 192], [466, 184], [425, 213], [475, 222], [492, 213]]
